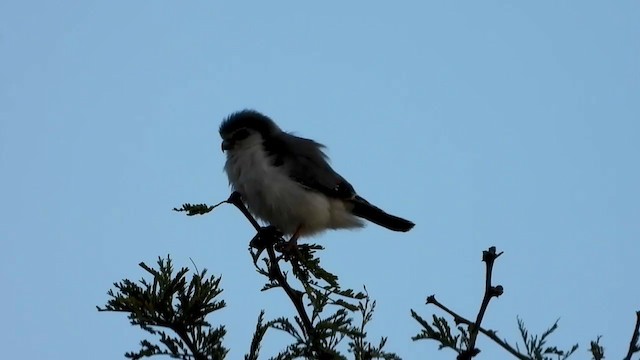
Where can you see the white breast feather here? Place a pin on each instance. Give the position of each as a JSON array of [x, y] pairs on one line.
[[276, 199]]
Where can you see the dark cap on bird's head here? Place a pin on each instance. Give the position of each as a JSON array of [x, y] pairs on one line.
[[248, 119]]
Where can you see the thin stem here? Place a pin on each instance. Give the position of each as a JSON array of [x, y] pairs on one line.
[[488, 257], [633, 345], [236, 199], [294, 295], [187, 341]]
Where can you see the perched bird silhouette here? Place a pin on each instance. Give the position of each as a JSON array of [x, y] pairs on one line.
[[287, 181]]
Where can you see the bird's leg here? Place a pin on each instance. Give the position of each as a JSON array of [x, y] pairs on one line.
[[293, 240]]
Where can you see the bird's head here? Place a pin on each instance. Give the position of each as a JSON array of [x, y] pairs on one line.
[[246, 128]]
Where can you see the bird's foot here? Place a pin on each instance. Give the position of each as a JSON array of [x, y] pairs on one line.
[[266, 236]]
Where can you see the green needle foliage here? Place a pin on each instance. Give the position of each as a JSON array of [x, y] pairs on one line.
[[171, 302]]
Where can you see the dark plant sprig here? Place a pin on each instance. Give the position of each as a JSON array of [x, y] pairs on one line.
[[172, 302], [197, 209], [596, 350], [359, 346], [536, 345], [440, 331], [258, 335]]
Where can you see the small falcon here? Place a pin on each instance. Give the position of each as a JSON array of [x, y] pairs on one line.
[[287, 181]]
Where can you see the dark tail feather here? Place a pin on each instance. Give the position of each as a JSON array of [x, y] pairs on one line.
[[362, 208]]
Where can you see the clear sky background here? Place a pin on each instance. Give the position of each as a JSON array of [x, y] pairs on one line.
[[503, 123]]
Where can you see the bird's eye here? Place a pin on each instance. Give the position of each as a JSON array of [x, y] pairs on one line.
[[240, 135]]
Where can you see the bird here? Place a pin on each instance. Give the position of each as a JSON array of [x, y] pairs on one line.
[[287, 182]]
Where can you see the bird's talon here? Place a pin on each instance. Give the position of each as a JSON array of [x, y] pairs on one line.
[[266, 236]]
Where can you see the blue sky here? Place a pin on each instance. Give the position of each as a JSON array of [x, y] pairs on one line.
[[486, 123]]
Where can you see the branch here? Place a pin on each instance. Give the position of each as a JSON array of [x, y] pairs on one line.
[[268, 236], [488, 257], [634, 346], [489, 333], [294, 295], [465, 343]]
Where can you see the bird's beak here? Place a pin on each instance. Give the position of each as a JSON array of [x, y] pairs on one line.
[[226, 145]]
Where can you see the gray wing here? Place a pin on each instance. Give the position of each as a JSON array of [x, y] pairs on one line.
[[305, 163]]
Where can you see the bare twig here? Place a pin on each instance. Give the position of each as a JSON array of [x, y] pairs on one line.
[[294, 295], [236, 199], [489, 333], [489, 256], [634, 346]]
